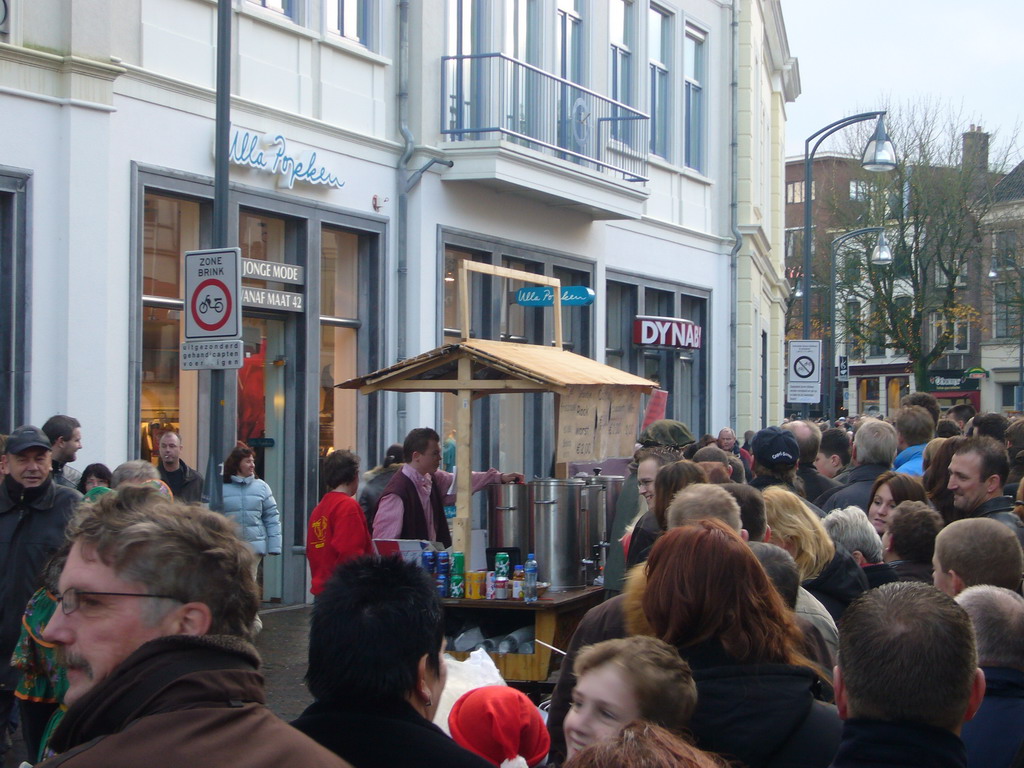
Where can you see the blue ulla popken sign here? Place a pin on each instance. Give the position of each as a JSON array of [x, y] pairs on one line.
[[271, 153], [543, 296]]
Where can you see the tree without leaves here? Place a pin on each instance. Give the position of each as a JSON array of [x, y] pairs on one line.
[[932, 206]]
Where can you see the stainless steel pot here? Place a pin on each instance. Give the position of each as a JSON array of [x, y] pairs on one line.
[[508, 518], [555, 509]]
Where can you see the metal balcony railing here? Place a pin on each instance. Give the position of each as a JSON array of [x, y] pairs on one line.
[[490, 94]]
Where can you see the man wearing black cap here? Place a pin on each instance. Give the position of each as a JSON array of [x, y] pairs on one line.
[[34, 511], [776, 455]]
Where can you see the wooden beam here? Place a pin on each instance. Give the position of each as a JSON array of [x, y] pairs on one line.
[[461, 538]]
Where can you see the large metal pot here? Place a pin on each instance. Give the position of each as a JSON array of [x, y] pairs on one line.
[[508, 517], [612, 485], [559, 530]]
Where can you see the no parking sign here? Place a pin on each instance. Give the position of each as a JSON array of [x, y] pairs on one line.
[[213, 286]]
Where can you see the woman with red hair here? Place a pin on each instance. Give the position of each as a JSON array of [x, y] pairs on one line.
[[708, 595]]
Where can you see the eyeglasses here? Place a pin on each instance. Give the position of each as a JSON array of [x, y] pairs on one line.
[[71, 599]]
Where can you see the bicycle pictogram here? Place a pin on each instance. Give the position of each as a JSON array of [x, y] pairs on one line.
[[209, 303]]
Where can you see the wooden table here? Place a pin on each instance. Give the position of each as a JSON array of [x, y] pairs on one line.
[[554, 617]]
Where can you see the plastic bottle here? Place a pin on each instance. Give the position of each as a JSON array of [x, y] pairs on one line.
[[516, 582], [530, 583]]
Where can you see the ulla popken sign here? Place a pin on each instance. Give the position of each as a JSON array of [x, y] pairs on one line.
[[666, 332]]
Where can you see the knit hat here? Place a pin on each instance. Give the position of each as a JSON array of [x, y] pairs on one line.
[[667, 432], [501, 725], [775, 447]]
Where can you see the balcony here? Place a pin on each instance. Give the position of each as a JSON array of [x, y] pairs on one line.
[[515, 127]]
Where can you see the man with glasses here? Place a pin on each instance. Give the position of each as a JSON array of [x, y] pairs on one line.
[[157, 602], [33, 512]]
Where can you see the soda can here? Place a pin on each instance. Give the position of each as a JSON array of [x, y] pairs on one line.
[[442, 585], [458, 562], [475, 585], [443, 563], [429, 563], [501, 588], [457, 586], [489, 585], [501, 565]]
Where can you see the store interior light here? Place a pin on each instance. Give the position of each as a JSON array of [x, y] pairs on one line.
[[879, 154], [881, 255]]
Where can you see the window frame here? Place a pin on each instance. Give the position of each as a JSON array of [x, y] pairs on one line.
[[368, 25], [660, 73], [15, 296], [695, 99]]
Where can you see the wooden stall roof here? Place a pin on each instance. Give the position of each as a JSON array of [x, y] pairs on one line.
[[498, 366]]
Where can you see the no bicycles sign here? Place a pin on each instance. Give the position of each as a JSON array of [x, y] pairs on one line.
[[213, 286]]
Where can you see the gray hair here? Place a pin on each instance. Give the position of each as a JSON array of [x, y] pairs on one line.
[[136, 471], [851, 528], [998, 618], [875, 442], [700, 501]]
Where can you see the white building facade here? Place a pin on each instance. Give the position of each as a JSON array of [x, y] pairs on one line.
[[375, 145]]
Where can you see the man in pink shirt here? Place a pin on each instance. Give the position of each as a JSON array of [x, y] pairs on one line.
[[412, 506]]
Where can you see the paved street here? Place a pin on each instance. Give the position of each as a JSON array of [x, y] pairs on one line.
[[283, 644]]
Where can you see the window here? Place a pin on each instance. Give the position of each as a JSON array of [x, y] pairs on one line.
[[169, 395], [622, 22], [960, 333], [693, 62], [521, 30], [286, 7], [794, 245], [903, 315], [1006, 309], [570, 40], [877, 339], [795, 191], [14, 287], [852, 325], [859, 190], [339, 329], [659, 51], [1004, 248], [350, 19]]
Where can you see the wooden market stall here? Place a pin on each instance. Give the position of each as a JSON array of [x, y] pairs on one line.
[[598, 405]]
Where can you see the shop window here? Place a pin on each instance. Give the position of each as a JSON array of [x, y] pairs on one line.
[[169, 395], [339, 324], [620, 310], [14, 331]]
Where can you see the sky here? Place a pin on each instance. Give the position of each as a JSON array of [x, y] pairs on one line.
[[855, 54]]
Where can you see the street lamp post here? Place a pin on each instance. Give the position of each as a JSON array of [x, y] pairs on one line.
[[880, 256], [878, 156]]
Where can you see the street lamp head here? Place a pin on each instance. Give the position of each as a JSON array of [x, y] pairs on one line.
[[881, 255], [992, 274], [799, 292], [879, 154]]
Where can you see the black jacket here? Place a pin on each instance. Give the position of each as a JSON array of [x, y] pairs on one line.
[[877, 744], [908, 570], [32, 526], [879, 574], [856, 492], [839, 583], [373, 489], [815, 483], [996, 732], [191, 486], [391, 735], [1001, 508], [765, 715], [645, 533]]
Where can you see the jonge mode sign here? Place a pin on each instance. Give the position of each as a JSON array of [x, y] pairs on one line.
[[666, 332]]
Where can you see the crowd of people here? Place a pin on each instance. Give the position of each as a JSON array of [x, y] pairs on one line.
[[846, 596]]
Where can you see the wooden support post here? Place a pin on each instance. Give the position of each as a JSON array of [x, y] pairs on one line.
[[462, 525]]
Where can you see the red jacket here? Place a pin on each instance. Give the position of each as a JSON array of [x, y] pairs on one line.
[[337, 532]]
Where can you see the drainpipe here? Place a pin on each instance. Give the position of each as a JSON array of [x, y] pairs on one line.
[[402, 234], [734, 148], [406, 182]]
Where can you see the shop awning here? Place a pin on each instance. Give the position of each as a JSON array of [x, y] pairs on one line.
[[496, 367]]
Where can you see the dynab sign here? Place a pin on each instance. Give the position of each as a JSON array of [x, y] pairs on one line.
[[544, 296], [666, 332]]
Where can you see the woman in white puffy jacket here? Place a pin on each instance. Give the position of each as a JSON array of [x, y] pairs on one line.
[[249, 502]]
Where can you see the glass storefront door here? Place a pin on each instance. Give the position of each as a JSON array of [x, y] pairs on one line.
[[263, 410]]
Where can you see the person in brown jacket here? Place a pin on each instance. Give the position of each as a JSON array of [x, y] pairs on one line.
[[157, 603]]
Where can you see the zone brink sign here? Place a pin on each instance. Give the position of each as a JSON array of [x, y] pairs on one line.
[[213, 287]]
